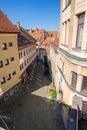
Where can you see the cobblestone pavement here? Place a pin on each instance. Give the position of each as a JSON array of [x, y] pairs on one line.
[[33, 109]]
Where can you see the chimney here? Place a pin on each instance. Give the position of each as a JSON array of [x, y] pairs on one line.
[[36, 29], [31, 31], [18, 25]]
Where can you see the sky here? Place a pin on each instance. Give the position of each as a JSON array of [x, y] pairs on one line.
[[42, 14]]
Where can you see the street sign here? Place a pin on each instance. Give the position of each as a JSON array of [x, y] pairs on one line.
[[77, 102]]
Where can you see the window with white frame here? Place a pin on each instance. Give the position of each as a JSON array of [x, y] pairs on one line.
[[25, 62], [84, 84], [66, 3], [14, 72], [4, 46], [2, 80], [8, 76], [12, 59], [7, 62], [74, 79], [1, 64], [24, 53], [80, 29], [10, 44]]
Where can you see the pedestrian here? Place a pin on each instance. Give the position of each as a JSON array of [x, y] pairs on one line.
[[22, 81]]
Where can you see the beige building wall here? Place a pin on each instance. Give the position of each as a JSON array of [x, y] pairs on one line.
[[53, 65], [10, 72], [27, 55], [70, 58]]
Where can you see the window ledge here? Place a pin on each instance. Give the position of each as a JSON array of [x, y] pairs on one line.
[[79, 50], [64, 45], [70, 87], [70, 56]]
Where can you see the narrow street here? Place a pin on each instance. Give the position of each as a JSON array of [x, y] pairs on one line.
[[33, 109]]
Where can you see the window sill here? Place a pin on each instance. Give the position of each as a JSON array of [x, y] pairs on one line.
[[64, 45], [79, 50], [84, 92]]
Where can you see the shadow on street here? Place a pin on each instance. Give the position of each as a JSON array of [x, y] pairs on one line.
[[33, 109]]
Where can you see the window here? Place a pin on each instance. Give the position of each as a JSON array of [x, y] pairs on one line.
[[16, 89], [1, 64], [24, 53], [8, 76], [84, 84], [29, 59], [65, 33], [20, 67], [80, 30], [3, 80], [6, 97], [7, 62], [4, 46], [66, 3], [25, 62], [10, 44], [69, 1], [12, 59], [74, 79], [14, 72], [11, 92], [19, 55]]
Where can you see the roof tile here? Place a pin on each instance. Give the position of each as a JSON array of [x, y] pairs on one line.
[[6, 26]]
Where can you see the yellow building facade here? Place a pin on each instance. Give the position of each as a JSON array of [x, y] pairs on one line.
[[17, 53], [9, 65]]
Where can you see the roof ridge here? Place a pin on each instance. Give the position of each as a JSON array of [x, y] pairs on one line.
[[6, 26]]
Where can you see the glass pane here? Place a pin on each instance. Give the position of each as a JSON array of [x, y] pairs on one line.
[[74, 79], [81, 18], [80, 35], [84, 86]]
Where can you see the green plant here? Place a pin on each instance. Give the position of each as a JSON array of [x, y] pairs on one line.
[[53, 94]]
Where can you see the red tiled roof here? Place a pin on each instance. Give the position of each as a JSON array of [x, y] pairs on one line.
[[55, 44], [47, 41], [38, 34], [23, 37], [53, 33], [6, 26]]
